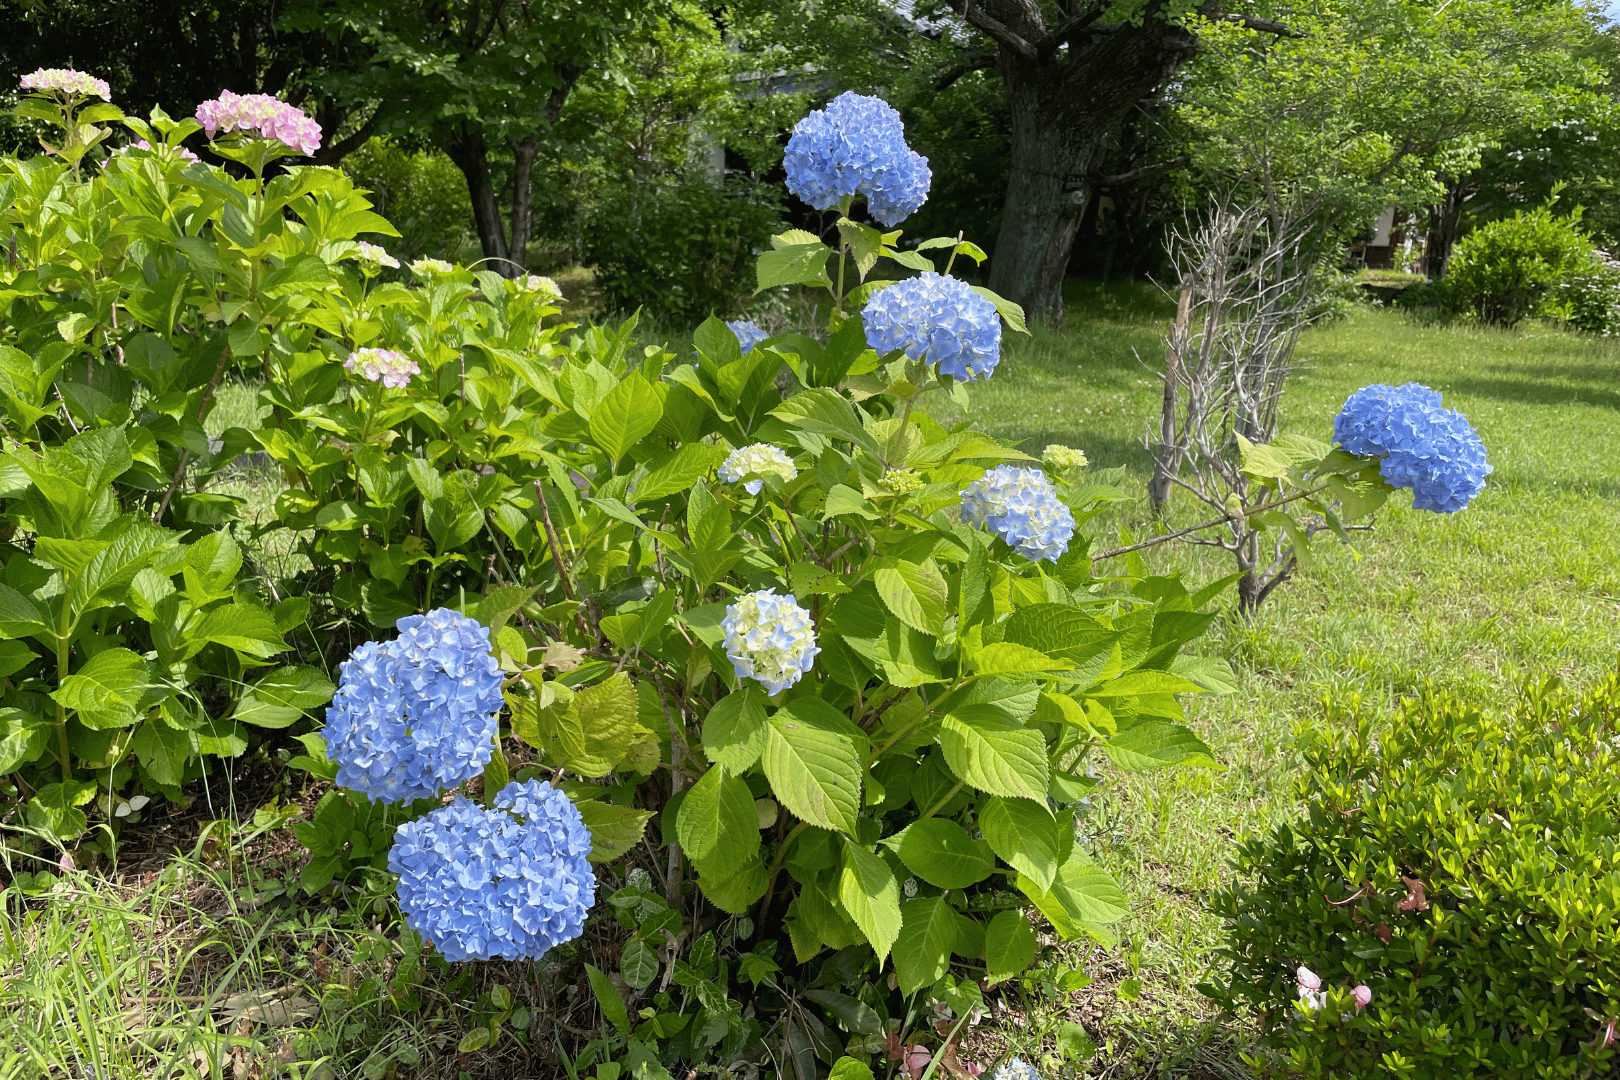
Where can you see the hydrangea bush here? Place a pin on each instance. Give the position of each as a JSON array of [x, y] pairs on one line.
[[749, 620]]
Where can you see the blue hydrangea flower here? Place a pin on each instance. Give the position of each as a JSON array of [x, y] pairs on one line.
[[417, 714], [512, 881], [751, 464], [1430, 449], [748, 334], [939, 319], [769, 639], [857, 144], [1021, 507], [1016, 1069]]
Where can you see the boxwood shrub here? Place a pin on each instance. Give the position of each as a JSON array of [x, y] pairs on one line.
[[1461, 864]]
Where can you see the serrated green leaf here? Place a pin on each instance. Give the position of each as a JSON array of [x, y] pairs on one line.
[[105, 690], [1082, 896], [1156, 744], [868, 891], [793, 264], [941, 853], [922, 952], [916, 593], [735, 730], [1006, 658], [865, 244], [283, 696], [717, 825], [1024, 834], [685, 467], [1009, 946], [812, 758], [614, 829], [995, 753], [626, 415]]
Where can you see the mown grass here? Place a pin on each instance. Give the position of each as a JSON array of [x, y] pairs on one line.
[[1526, 581]]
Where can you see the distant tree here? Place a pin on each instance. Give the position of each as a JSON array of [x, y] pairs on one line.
[[481, 79]]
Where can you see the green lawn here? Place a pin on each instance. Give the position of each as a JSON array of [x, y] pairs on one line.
[[1525, 581]]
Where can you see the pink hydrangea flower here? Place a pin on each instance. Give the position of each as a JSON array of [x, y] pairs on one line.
[[67, 81], [972, 1068], [261, 115], [1363, 996], [392, 369], [185, 155], [375, 256]]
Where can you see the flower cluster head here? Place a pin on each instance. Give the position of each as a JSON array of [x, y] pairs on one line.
[[536, 283], [511, 881], [393, 369], [1430, 449], [748, 334], [857, 144], [1064, 457], [1021, 507], [770, 639], [750, 465], [375, 257], [260, 115], [417, 714], [179, 151], [1016, 1069], [939, 320], [900, 481], [426, 268], [67, 82]]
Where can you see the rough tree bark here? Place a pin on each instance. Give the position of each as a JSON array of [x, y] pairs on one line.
[[1071, 81]]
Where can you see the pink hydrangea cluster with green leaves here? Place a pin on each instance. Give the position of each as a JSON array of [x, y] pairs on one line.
[[392, 369], [66, 81], [260, 115]]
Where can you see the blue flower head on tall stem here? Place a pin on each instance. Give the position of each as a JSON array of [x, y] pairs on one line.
[[1022, 507], [857, 145], [939, 320], [417, 714], [511, 881], [1423, 446]]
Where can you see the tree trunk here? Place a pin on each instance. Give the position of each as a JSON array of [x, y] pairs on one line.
[[524, 152], [470, 152], [1068, 92], [1445, 221]]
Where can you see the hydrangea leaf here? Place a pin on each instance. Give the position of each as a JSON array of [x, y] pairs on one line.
[[626, 415], [941, 853], [1023, 834], [1009, 946], [994, 753], [734, 732], [1155, 744], [868, 891], [283, 696], [916, 593], [105, 690], [599, 726], [812, 758], [794, 264], [1082, 898], [614, 829], [717, 825], [739, 891], [927, 938]]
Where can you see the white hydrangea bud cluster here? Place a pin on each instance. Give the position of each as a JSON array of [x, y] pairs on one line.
[[769, 639], [750, 465]]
